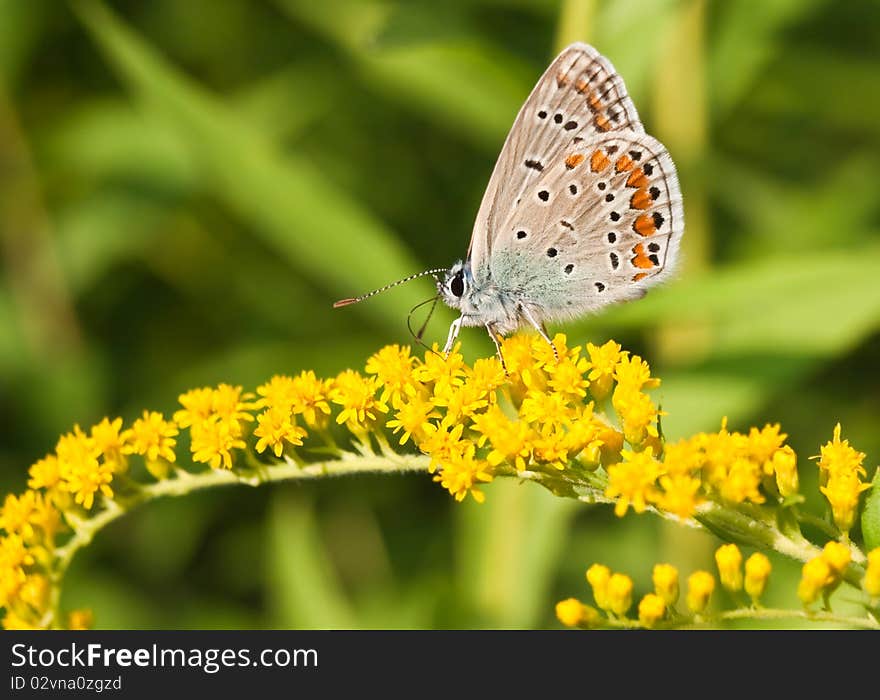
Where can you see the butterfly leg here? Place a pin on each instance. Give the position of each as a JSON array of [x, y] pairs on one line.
[[494, 336], [453, 334], [540, 328]]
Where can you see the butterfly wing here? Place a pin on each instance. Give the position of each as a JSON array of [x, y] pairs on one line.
[[601, 224], [579, 95]]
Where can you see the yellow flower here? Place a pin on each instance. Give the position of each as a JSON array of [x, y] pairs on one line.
[[700, 587], [728, 558], [665, 578], [602, 365], [108, 440], [17, 512], [35, 592], [44, 473], [13, 621], [80, 620], [632, 481], [392, 365], [545, 410], [842, 490], [680, 494], [151, 436], [784, 466], [356, 394], [568, 378], [86, 479], [280, 391], [838, 457], [837, 556], [637, 413], [871, 582], [46, 517], [14, 556], [598, 576], [757, 572], [619, 592], [742, 481], [446, 373], [573, 613], [231, 404], [462, 474], [551, 447], [487, 375], [816, 576], [213, 441], [460, 401], [275, 426], [517, 352], [633, 374], [443, 442], [762, 444], [652, 608], [511, 440], [311, 398], [682, 458], [413, 415], [198, 404]]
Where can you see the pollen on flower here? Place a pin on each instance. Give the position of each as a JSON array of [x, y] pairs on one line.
[[198, 404], [45, 473], [311, 398], [392, 366], [107, 438]]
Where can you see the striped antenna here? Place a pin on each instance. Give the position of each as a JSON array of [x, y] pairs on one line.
[[355, 300]]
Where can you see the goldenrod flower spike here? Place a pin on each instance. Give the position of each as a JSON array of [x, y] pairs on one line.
[[585, 425]]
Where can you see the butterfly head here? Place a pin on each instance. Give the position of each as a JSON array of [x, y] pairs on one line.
[[455, 287]]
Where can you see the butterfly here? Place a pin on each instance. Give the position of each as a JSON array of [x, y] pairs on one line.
[[582, 210]]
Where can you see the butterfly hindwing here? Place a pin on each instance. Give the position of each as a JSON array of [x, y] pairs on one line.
[[580, 96], [600, 225]]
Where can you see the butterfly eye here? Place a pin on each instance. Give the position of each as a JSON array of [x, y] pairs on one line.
[[457, 285]]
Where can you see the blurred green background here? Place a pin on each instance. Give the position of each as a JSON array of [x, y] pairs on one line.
[[187, 185]]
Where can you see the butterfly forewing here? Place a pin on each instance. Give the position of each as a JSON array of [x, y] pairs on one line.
[[580, 96], [600, 225]]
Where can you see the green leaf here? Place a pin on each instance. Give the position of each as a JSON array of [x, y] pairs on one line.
[[871, 515], [286, 201]]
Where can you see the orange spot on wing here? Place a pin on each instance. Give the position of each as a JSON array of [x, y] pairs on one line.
[[637, 178], [624, 163], [602, 122], [641, 260], [599, 161], [641, 200], [581, 86], [594, 101], [574, 160], [644, 225], [640, 276], [562, 79]]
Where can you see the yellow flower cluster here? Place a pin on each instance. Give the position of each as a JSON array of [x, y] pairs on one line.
[[582, 416], [612, 593]]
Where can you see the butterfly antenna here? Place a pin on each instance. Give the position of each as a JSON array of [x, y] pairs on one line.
[[355, 300]]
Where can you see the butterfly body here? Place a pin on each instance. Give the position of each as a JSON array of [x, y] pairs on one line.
[[582, 210]]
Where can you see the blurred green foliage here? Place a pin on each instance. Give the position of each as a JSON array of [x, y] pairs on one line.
[[185, 187]]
